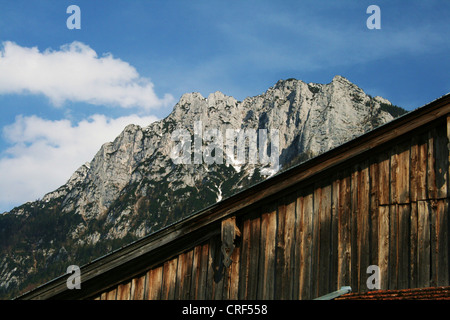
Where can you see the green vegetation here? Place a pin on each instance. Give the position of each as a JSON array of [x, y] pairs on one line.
[[395, 111]]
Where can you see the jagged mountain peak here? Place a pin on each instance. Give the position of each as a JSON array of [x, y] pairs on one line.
[[132, 187]]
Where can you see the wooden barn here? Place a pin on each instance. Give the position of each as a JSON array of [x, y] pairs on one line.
[[381, 199]]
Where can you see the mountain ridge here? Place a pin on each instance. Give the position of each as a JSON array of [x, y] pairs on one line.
[[132, 187]]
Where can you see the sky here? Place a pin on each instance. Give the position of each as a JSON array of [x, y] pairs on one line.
[[65, 91]]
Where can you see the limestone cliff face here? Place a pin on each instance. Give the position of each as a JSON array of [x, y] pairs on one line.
[[132, 187]]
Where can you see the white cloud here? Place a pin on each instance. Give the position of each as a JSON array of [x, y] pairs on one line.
[[45, 153], [75, 73]]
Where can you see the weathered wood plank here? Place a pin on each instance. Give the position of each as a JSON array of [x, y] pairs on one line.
[[423, 212], [393, 246], [124, 291], [403, 183], [363, 224], [290, 244], [280, 292], [219, 270], [231, 281], [384, 185], [442, 234], [441, 155], [203, 276], [374, 211], [305, 235], [414, 244], [345, 211], [394, 175], [255, 235], [355, 183], [404, 216], [112, 294], [421, 172], [431, 173], [139, 288], [315, 252], [201, 269], [184, 275], [439, 242], [414, 167], [212, 269], [169, 279], [324, 241], [267, 258], [383, 246], [244, 260], [334, 253]]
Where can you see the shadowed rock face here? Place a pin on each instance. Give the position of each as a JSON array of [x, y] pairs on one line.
[[132, 187]]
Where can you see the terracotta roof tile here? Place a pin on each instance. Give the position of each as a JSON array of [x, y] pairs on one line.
[[433, 293]]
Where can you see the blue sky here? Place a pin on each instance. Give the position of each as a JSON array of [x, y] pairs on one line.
[[63, 93]]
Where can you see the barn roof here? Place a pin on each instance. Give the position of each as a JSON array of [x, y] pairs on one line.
[[132, 259]]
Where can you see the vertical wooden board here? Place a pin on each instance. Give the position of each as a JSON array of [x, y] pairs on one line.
[[195, 286], [244, 260], [169, 279], [414, 242], [441, 155], [393, 247], [315, 252], [439, 242], [324, 241], [289, 246], [414, 168], [433, 243], [383, 246], [255, 234], [280, 292], [423, 232], [184, 274], [202, 279], [154, 283], [103, 296], [231, 281], [403, 183], [404, 216], [195, 272], [210, 281], [363, 225], [219, 270], [124, 291], [267, 257], [374, 212], [305, 229], [394, 175], [179, 275], [345, 213], [112, 294], [139, 288], [334, 234], [384, 185], [442, 224], [297, 249], [421, 172], [355, 184], [431, 174]]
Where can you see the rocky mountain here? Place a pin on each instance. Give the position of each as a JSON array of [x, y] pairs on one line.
[[134, 186]]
